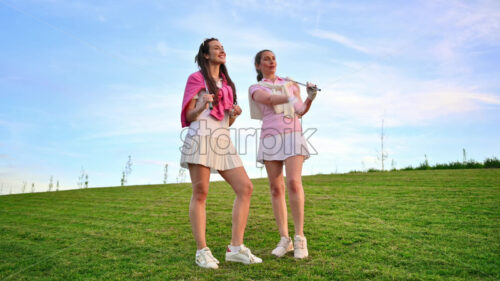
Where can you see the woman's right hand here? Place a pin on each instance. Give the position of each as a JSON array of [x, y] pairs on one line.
[[207, 98]]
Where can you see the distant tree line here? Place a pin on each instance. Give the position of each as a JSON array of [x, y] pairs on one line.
[[467, 164]]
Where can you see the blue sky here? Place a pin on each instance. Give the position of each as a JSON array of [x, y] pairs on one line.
[[87, 83]]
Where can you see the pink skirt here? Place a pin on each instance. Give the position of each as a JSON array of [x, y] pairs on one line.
[[280, 147]]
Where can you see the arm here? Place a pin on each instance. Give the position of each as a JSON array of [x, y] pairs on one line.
[[264, 97], [301, 108], [304, 108], [193, 111]]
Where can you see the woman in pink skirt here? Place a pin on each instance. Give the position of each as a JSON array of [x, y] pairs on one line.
[[208, 149], [277, 102]]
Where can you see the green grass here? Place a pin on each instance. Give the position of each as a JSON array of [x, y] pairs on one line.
[[402, 225]]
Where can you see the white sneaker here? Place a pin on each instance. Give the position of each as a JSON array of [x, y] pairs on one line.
[[205, 259], [284, 246], [244, 255], [300, 244]]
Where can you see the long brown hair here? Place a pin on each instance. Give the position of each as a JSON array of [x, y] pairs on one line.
[[203, 65], [258, 57]]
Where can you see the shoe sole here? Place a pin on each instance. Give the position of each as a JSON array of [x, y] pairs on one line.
[[216, 266], [283, 254], [240, 261], [243, 262], [307, 255]]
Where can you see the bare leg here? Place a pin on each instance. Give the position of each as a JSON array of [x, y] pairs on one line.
[[277, 186], [243, 187], [293, 166], [200, 177]]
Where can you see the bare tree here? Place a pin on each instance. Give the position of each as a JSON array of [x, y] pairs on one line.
[[57, 185], [24, 186], [81, 178], [182, 175], [260, 167], [165, 175], [126, 171], [128, 166], [86, 181], [32, 187], [465, 155], [383, 155], [51, 183]]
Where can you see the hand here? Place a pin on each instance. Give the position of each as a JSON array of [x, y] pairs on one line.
[[207, 98], [312, 90], [235, 111]]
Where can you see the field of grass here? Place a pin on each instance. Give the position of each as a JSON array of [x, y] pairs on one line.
[[402, 225]]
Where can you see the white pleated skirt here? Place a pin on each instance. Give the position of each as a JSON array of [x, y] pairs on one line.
[[280, 147], [217, 153]]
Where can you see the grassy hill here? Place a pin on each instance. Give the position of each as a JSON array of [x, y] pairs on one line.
[[402, 225]]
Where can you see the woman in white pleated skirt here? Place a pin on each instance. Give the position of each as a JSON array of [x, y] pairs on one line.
[[208, 148], [277, 102]]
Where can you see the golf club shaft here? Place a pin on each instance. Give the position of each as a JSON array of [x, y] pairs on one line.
[[319, 90]]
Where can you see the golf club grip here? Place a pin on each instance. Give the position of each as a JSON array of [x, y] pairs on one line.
[[319, 90]]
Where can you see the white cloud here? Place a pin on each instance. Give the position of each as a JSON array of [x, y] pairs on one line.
[[450, 32], [239, 36], [165, 50], [485, 98], [335, 37], [162, 48], [363, 97], [409, 108], [149, 162], [129, 110]]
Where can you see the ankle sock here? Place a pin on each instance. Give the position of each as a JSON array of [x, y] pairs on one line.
[[299, 237], [234, 248], [200, 250]]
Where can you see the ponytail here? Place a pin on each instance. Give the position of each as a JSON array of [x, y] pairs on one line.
[[259, 75]]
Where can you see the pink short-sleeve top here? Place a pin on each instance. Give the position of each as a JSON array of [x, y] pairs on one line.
[[272, 123]]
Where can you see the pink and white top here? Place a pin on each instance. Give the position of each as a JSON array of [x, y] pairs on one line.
[[273, 123]]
